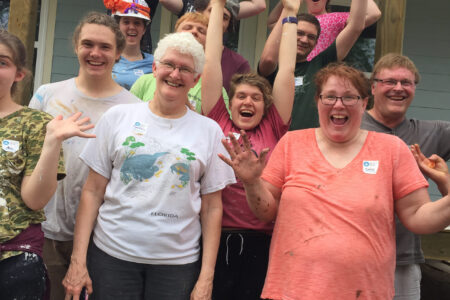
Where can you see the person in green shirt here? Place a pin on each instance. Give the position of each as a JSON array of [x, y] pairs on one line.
[[196, 24]]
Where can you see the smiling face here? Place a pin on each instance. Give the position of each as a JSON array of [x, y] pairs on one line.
[[96, 50], [133, 29], [392, 102], [8, 72], [338, 122], [306, 39], [198, 30], [316, 7], [173, 84], [247, 106]]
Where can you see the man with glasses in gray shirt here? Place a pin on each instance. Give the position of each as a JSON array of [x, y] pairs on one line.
[[394, 81]]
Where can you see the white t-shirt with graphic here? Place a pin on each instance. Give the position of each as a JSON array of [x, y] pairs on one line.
[[64, 98], [157, 169]]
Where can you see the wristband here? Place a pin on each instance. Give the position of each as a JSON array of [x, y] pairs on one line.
[[289, 20]]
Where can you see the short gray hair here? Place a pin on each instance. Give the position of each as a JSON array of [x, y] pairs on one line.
[[185, 43]]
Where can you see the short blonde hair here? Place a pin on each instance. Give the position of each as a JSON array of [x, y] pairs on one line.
[[394, 60], [192, 17]]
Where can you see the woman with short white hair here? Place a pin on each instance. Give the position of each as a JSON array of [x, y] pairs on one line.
[[153, 189]]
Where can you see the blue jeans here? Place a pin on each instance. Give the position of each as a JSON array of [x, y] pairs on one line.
[[114, 278]]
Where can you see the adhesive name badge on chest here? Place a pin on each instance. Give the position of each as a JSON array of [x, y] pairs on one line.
[[10, 145], [298, 80], [370, 166], [139, 128], [138, 72]]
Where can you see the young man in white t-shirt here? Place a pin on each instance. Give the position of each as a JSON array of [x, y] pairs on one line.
[[97, 43]]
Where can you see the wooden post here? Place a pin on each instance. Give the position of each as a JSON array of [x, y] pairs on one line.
[[390, 27], [22, 22]]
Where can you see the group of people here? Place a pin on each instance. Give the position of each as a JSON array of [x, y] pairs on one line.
[[190, 186]]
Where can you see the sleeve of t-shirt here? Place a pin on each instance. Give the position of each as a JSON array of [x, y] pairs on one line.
[[97, 152], [328, 55], [406, 177], [35, 140], [138, 88], [444, 142], [276, 123], [340, 20], [217, 173], [275, 172], [219, 112], [38, 99]]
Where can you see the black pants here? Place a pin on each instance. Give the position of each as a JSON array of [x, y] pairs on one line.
[[241, 265], [22, 277]]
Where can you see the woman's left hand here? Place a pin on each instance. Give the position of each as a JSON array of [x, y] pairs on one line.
[[61, 129], [202, 290]]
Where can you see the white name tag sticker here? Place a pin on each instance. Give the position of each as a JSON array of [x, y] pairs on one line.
[[138, 72], [10, 145], [370, 166], [139, 128], [298, 80]]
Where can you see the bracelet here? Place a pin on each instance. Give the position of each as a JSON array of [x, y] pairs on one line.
[[289, 20]]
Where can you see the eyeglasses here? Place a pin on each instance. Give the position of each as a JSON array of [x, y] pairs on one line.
[[393, 82], [311, 37], [346, 100], [171, 67]]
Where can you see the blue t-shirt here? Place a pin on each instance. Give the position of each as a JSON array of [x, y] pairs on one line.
[[126, 72]]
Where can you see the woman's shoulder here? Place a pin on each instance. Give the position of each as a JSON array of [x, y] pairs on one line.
[[31, 115], [384, 137]]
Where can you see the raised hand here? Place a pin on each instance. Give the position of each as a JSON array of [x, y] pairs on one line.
[[61, 129], [433, 167], [245, 162], [291, 5]]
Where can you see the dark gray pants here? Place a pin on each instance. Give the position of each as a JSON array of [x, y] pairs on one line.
[[113, 278]]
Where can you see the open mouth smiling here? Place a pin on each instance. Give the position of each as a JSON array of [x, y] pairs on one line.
[[396, 98], [246, 113], [95, 63], [338, 119], [172, 84]]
